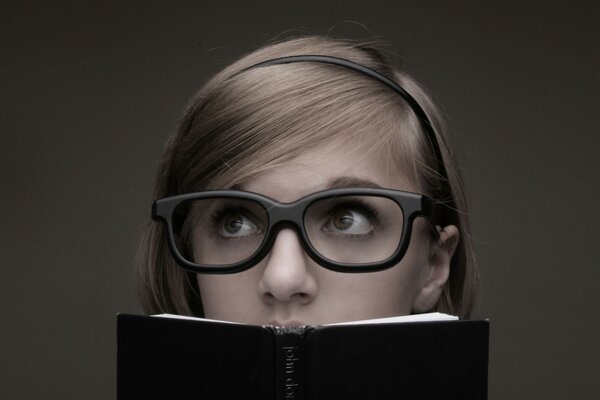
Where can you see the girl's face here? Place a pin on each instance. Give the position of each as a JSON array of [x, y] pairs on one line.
[[289, 288]]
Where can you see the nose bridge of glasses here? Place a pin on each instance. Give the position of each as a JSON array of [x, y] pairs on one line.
[[286, 215]]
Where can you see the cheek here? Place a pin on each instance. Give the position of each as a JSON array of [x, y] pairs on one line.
[[386, 293], [393, 291], [402, 283], [228, 296], [415, 262]]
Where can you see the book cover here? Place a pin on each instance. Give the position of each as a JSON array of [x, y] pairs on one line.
[[174, 358]]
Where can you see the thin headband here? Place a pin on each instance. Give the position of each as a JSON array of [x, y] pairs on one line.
[[414, 105]]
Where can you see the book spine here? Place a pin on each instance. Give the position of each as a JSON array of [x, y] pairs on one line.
[[289, 363]]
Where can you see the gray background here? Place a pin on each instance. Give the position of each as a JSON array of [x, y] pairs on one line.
[[90, 91]]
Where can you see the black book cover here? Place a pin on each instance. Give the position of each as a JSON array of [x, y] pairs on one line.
[[165, 358]]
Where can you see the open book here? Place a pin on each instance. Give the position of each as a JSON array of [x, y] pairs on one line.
[[435, 316], [424, 356]]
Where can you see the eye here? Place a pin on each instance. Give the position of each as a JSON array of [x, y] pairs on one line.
[[351, 221], [234, 224]]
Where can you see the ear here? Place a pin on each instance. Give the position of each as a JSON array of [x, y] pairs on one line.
[[438, 269]]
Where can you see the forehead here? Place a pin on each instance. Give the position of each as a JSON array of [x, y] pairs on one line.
[[330, 166]]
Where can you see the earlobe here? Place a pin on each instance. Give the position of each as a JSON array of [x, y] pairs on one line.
[[440, 257]]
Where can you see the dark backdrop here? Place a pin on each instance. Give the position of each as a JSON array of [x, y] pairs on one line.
[[90, 91]]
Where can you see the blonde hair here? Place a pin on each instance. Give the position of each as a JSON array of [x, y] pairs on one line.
[[244, 122]]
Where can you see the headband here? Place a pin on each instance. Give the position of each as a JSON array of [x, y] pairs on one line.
[[414, 105]]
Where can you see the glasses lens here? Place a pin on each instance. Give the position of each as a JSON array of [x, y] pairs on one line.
[[354, 229], [219, 231]]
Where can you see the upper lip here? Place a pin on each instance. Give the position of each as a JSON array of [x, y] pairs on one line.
[[287, 324]]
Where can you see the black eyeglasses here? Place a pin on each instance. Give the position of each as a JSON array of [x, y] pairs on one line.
[[345, 230]]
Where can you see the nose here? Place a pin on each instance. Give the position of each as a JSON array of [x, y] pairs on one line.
[[287, 276]]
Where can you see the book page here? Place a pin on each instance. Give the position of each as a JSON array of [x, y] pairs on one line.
[[175, 316], [436, 316]]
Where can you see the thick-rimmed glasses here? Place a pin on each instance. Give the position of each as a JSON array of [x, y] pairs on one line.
[[345, 230]]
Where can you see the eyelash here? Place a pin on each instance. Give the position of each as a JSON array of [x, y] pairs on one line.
[[373, 214], [369, 211], [218, 215]]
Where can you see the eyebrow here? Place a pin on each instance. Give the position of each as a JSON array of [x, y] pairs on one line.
[[335, 183], [350, 181]]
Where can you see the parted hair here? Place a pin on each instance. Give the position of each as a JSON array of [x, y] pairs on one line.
[[245, 122]]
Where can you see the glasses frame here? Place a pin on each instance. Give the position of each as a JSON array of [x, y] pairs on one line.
[[291, 215]]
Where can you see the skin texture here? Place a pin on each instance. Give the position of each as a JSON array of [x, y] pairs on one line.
[[288, 288]]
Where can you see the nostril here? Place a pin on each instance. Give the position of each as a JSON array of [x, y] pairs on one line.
[[301, 296], [269, 295]]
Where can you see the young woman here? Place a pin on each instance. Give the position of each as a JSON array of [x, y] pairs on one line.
[[309, 182]]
